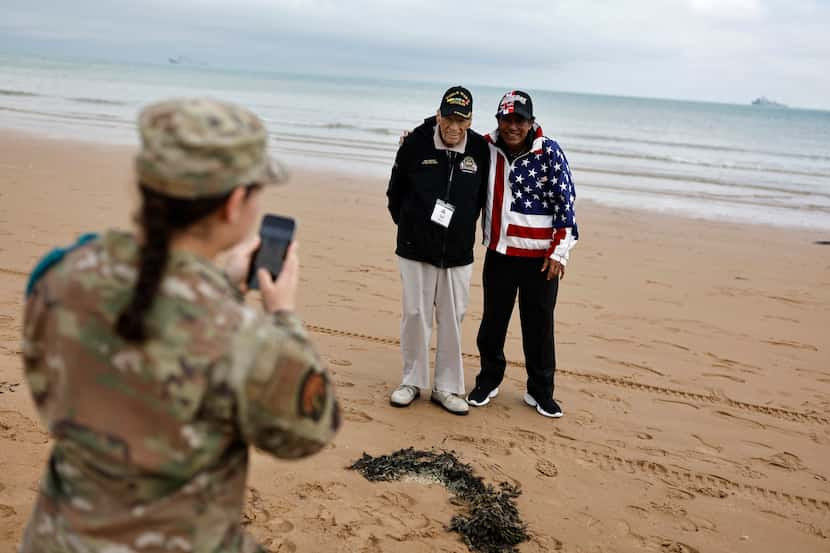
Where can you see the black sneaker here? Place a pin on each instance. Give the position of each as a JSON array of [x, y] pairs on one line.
[[481, 396], [547, 408]]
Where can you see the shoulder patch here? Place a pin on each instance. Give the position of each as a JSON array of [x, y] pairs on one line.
[[312, 398]]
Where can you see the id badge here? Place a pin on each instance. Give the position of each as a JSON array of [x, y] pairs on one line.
[[442, 214]]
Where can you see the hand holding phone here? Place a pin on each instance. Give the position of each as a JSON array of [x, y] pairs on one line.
[[276, 233], [281, 294]]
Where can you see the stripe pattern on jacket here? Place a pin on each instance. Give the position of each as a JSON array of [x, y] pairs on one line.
[[530, 202]]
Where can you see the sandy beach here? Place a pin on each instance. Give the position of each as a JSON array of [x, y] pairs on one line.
[[694, 373]]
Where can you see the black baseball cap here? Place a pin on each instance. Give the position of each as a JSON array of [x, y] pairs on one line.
[[457, 100], [518, 102]]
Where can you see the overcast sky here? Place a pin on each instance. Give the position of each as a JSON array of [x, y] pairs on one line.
[[713, 50]]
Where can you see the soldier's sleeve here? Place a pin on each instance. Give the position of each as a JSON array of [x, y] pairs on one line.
[[286, 398], [34, 348]]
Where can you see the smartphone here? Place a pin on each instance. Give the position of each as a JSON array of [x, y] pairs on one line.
[[276, 233]]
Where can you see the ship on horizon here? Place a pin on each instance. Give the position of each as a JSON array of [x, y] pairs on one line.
[[763, 101]]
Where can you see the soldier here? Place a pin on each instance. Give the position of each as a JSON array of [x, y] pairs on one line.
[[152, 374]]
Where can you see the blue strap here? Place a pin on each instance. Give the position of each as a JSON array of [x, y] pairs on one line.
[[52, 258]]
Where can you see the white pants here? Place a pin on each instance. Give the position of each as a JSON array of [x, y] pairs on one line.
[[429, 291]]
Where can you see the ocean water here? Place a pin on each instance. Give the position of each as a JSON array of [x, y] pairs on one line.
[[707, 161]]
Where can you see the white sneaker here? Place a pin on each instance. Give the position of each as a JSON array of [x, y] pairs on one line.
[[404, 395], [451, 402]]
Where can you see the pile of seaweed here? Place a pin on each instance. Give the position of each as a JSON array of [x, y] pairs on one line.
[[489, 521]]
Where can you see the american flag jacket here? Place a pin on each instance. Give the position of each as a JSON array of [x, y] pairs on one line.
[[529, 211]]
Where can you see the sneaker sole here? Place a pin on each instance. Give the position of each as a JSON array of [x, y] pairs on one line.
[[491, 395], [444, 407], [533, 403]]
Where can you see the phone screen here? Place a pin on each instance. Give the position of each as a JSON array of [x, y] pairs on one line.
[[276, 233]]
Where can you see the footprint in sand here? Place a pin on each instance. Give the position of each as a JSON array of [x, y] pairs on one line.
[[280, 526], [617, 529], [318, 490], [340, 362], [784, 460], [654, 451], [546, 468], [7, 511], [355, 415], [286, 547], [17, 428], [678, 517], [583, 418], [706, 447], [617, 400], [530, 435], [484, 444], [8, 387], [546, 543], [671, 546], [255, 508], [398, 499]]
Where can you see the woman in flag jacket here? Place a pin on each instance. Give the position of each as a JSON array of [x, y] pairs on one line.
[[529, 229]]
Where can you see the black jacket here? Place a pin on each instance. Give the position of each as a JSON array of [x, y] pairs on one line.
[[421, 176]]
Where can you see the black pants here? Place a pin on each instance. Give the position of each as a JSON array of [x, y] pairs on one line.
[[503, 277]]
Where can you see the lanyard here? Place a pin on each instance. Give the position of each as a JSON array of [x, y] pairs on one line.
[[451, 156]]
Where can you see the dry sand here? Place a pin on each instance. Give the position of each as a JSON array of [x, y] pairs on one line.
[[694, 375]]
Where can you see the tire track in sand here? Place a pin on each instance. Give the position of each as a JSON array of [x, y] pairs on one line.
[[777, 412], [695, 397], [680, 477]]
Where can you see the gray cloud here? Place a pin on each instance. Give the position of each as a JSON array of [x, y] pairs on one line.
[[718, 50]]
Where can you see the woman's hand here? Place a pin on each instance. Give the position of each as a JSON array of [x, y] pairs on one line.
[[238, 262], [281, 294], [553, 268]]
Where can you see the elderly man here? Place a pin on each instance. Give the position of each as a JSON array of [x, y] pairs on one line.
[[435, 193], [529, 230]]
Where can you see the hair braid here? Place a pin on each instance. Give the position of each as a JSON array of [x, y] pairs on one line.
[[152, 262]]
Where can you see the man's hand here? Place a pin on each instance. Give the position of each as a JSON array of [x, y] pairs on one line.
[[554, 269], [238, 262]]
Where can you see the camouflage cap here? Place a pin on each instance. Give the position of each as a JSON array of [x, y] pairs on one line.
[[198, 147]]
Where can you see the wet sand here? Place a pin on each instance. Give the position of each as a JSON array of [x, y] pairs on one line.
[[694, 372]]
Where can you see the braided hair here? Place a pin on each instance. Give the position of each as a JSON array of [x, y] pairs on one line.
[[160, 217]]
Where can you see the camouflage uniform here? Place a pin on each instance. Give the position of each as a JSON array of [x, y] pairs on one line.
[[151, 440]]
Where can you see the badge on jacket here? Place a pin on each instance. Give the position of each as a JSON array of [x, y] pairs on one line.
[[468, 165], [442, 213]]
